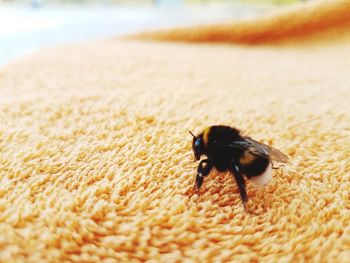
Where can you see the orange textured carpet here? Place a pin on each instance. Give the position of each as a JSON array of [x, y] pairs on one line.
[[96, 161]]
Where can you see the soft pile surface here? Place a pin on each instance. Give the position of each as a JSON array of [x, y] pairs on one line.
[[96, 161]]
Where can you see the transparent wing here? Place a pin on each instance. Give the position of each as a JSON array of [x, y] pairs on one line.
[[259, 149]]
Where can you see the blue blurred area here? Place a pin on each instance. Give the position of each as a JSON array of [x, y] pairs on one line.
[[26, 29]]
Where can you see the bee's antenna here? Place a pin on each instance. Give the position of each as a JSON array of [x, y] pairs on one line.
[[194, 136]]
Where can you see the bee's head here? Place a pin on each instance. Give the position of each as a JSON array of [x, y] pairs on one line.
[[198, 146]]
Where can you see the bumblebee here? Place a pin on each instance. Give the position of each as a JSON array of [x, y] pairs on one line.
[[227, 150]]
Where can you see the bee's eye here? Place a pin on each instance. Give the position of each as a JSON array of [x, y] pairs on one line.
[[197, 144], [197, 149]]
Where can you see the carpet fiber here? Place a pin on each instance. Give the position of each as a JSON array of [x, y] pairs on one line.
[[96, 160]]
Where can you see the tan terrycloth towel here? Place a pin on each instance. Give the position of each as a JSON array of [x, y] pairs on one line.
[[96, 161]]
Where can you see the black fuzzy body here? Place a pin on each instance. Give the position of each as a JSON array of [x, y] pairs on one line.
[[223, 157], [227, 150]]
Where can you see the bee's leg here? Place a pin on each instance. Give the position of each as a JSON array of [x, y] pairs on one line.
[[240, 183], [204, 168], [277, 167]]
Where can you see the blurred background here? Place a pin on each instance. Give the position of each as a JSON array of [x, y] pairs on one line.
[[26, 26]]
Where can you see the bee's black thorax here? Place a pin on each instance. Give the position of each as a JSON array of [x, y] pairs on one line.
[[221, 134], [215, 138]]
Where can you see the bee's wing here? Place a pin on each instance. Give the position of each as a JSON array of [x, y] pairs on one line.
[[260, 149]]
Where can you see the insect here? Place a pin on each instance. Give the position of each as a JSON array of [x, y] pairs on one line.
[[227, 150]]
